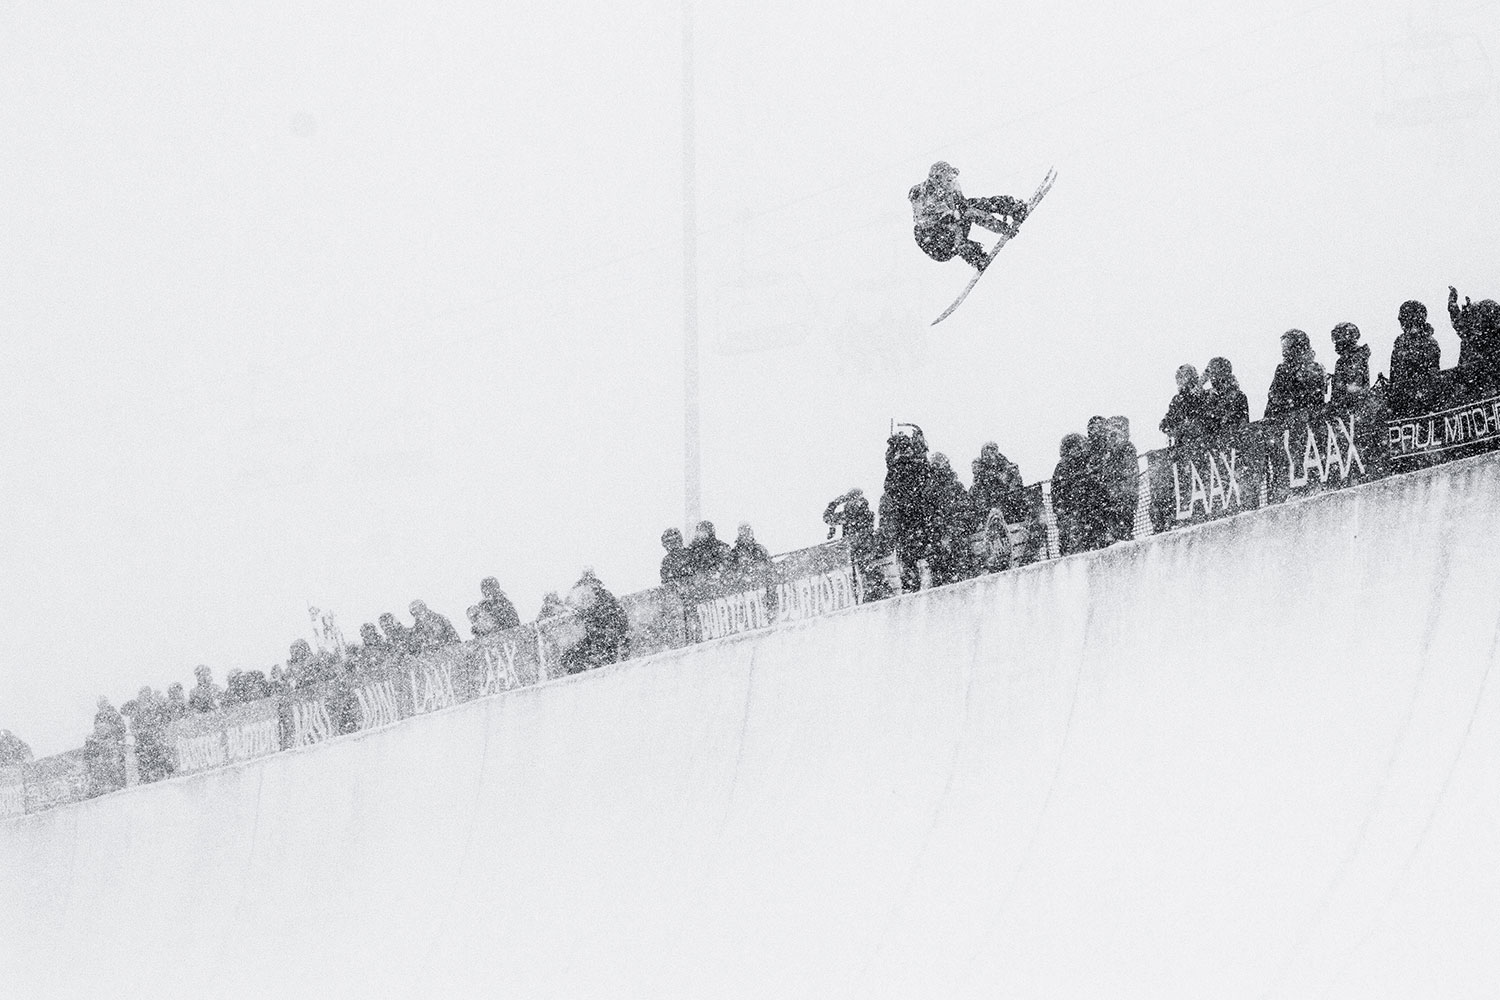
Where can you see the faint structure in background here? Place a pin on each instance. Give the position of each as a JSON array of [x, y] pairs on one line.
[[766, 305], [1434, 74]]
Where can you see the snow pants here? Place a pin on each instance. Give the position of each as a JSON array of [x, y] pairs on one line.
[[946, 240]]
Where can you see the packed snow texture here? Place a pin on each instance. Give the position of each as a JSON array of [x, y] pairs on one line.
[[1255, 758]]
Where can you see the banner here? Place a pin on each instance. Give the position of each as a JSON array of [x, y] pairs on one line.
[[12, 791], [204, 741], [1204, 480], [799, 585], [435, 679], [1459, 431], [53, 781], [503, 662], [812, 582], [1320, 450]]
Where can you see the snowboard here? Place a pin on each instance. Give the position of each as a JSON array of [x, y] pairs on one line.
[[1041, 192]]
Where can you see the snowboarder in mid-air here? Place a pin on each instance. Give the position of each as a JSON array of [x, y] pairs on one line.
[[942, 217]]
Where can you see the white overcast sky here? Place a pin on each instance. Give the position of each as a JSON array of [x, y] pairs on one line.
[[346, 305]]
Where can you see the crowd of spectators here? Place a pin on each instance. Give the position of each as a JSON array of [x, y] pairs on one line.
[[1096, 484], [938, 530], [1205, 409], [603, 637]]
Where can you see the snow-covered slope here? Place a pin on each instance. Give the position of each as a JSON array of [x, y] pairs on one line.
[[1258, 758]]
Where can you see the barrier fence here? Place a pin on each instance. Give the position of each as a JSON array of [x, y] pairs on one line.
[[1270, 461]]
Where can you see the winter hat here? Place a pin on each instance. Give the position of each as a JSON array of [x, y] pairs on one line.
[[1412, 313]]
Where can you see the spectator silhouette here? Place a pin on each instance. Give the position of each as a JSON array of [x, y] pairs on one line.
[[851, 512], [903, 504], [1478, 329], [205, 694], [676, 565], [551, 605], [605, 625], [176, 707], [1415, 359], [399, 636], [1121, 481], [1225, 408], [432, 630], [480, 622], [706, 554], [13, 750], [1186, 415], [1070, 492], [104, 750], [148, 722], [995, 478], [1299, 382], [495, 604], [748, 557], [1351, 373], [950, 526], [373, 650]]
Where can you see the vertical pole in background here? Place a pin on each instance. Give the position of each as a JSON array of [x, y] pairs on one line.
[[691, 477]]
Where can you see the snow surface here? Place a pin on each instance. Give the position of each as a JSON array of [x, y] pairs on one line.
[[1257, 758]]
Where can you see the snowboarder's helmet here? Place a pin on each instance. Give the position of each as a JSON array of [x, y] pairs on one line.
[[942, 169]]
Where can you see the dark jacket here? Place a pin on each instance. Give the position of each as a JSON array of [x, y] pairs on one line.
[[501, 611], [1187, 416], [707, 556], [676, 566], [605, 626], [1415, 359], [1296, 386], [995, 477], [1351, 376], [746, 559], [1225, 409]]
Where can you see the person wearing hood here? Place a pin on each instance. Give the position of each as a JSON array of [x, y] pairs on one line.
[[1351, 373], [676, 566], [1186, 416], [1415, 360], [1121, 480], [399, 636], [431, 630], [950, 526], [995, 478], [605, 625], [373, 647], [480, 622], [148, 723], [1225, 408], [205, 694], [904, 516], [497, 605], [104, 750], [707, 556], [552, 605], [1070, 491], [1299, 382], [176, 707], [851, 512], [748, 557], [13, 749]]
